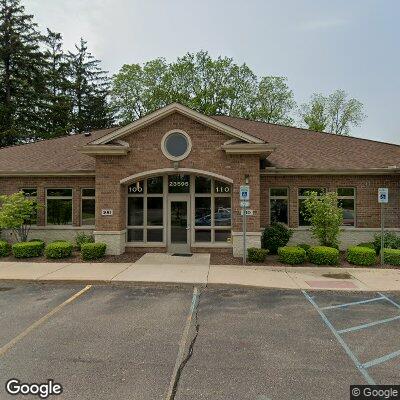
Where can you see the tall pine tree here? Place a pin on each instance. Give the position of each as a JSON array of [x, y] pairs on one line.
[[22, 82], [90, 90], [58, 116]]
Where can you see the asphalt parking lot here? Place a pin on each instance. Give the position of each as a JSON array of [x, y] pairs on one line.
[[149, 342]]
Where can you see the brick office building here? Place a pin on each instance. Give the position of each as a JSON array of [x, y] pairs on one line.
[[170, 181]]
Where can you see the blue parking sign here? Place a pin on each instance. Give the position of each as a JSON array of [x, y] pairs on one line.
[[245, 193], [383, 195]]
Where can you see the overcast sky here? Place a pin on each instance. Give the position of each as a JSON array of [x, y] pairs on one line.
[[319, 45]]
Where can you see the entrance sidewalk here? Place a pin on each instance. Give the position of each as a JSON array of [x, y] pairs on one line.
[[196, 270]]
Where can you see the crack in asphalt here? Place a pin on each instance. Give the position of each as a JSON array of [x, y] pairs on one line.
[[190, 349]]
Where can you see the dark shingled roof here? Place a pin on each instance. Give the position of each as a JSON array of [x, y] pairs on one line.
[[52, 155], [304, 149], [296, 149]]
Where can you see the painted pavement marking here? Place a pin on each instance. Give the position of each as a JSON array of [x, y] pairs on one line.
[[40, 321]]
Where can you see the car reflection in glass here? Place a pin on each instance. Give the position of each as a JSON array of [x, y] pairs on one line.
[[222, 217]]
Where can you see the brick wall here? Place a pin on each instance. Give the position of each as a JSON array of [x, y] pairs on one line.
[[367, 207], [14, 184], [146, 155]]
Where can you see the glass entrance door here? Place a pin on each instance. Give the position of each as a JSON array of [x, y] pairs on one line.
[[179, 225]]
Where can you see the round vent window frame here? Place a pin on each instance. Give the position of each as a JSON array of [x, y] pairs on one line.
[[166, 152]]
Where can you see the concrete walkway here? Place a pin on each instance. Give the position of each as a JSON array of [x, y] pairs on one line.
[[164, 268]]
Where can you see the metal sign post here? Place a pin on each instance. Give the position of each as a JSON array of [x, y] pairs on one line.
[[244, 203], [383, 198]]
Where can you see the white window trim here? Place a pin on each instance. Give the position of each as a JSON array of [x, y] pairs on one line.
[[165, 196], [145, 227], [271, 197], [212, 195], [60, 198], [165, 151], [87, 198]]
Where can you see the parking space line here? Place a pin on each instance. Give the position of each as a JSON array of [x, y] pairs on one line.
[[40, 321], [353, 303], [390, 300], [359, 327], [182, 345], [382, 359], [346, 348]]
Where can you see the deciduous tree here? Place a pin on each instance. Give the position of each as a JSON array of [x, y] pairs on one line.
[[335, 113]]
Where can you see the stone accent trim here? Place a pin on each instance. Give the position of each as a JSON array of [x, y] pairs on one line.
[[253, 239], [115, 241]]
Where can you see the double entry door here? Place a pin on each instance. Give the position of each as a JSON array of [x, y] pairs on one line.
[[179, 223]]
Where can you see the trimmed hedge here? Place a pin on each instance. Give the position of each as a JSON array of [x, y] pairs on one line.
[[256, 255], [392, 256], [370, 245], [322, 255], [292, 255], [39, 241], [27, 249], [59, 249], [304, 246], [359, 255], [4, 248], [275, 236], [93, 251]]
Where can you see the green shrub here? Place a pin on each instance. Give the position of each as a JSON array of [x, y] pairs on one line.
[[27, 249], [359, 255], [325, 217], [4, 248], [275, 236], [39, 241], [392, 241], [93, 251], [82, 238], [322, 255], [304, 246], [256, 255], [292, 255], [370, 245], [392, 256], [59, 249]]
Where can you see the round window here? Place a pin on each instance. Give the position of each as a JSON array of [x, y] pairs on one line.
[[176, 145]]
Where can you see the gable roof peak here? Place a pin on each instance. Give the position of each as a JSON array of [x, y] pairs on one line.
[[179, 108]]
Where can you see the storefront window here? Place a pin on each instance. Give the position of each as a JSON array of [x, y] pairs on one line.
[[202, 184], [88, 207], [202, 211], [59, 206], [146, 211], [347, 201], [278, 205], [222, 213], [211, 208]]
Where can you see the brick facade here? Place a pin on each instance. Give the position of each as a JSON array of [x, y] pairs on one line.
[[367, 207], [14, 184], [146, 155], [207, 156]]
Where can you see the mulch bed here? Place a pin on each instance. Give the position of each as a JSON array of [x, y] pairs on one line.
[[76, 258], [272, 261], [222, 258]]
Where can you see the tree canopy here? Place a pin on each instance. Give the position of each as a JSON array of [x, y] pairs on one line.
[[335, 113], [46, 91], [210, 86]]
